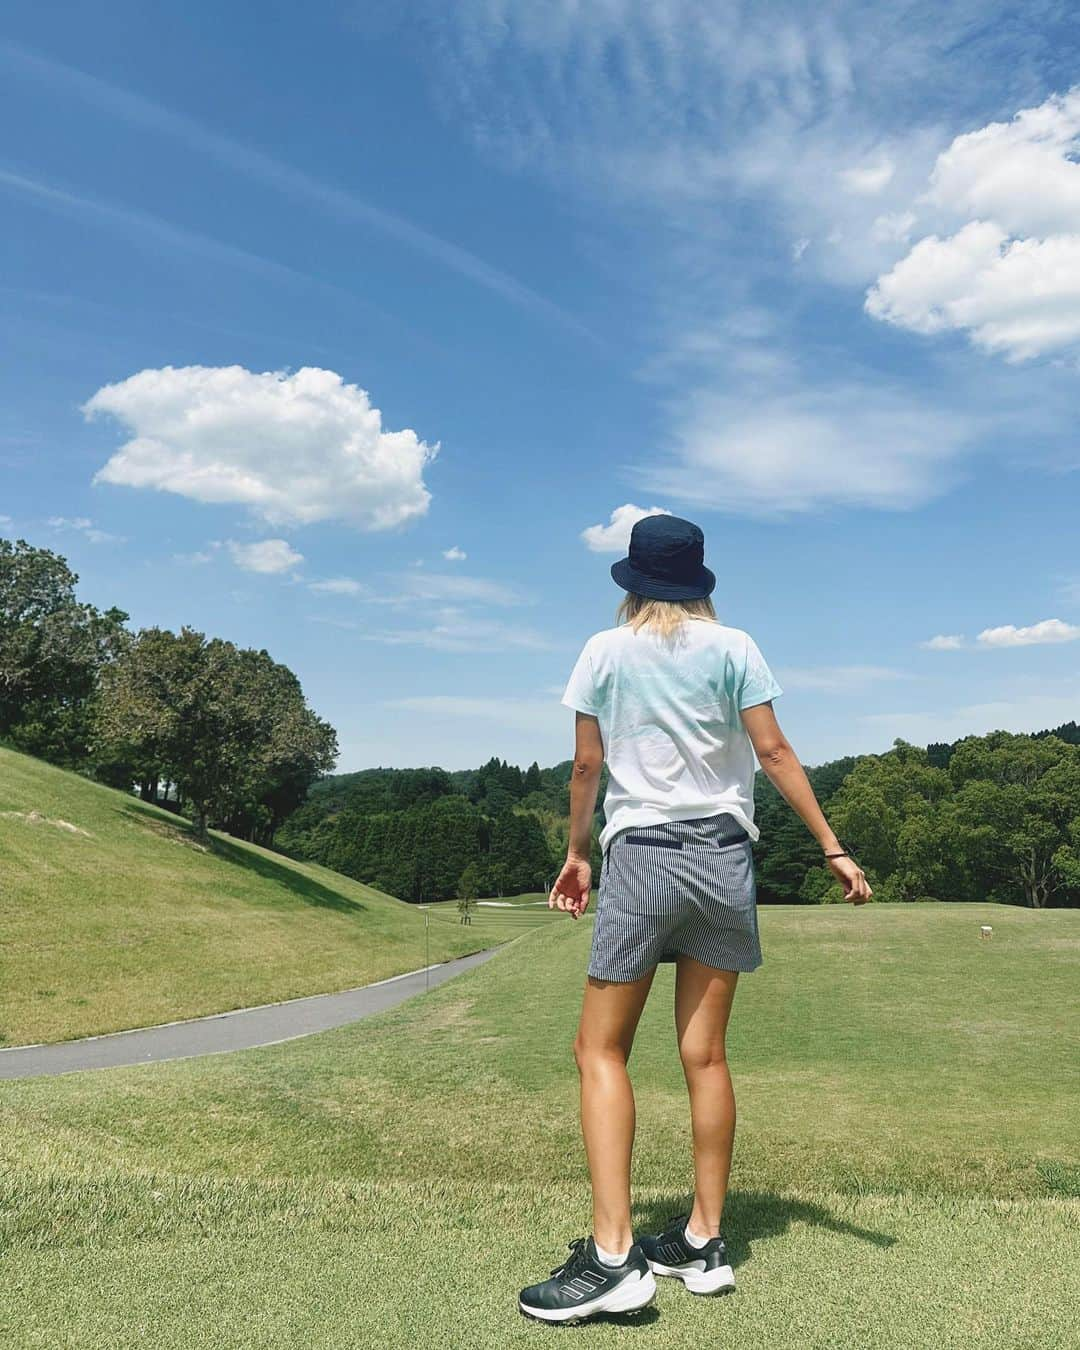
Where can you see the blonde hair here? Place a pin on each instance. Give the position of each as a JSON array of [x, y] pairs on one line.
[[664, 617]]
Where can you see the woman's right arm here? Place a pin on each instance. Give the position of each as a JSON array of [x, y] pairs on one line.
[[781, 766], [572, 886]]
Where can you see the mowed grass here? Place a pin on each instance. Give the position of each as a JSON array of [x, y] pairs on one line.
[[113, 916], [906, 1170]]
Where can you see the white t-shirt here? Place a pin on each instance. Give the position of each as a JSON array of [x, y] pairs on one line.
[[668, 709]]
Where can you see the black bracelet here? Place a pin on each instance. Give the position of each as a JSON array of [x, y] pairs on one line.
[[837, 855]]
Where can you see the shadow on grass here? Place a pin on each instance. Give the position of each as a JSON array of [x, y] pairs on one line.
[[751, 1215], [305, 888]]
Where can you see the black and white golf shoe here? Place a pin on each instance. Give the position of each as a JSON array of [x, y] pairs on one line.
[[585, 1286], [704, 1270]]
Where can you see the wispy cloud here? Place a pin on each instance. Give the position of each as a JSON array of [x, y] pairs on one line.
[[849, 445], [282, 177], [1070, 590], [268, 556], [823, 124], [454, 554], [145, 228], [86, 527], [337, 586], [523, 713], [467, 634], [1036, 710], [441, 587], [944, 642], [838, 679]]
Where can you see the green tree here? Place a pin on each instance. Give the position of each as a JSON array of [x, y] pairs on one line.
[[883, 812], [1016, 813], [468, 887], [519, 850], [226, 725], [52, 650], [787, 851]]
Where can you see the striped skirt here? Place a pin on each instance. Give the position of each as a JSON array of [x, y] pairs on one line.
[[682, 888]]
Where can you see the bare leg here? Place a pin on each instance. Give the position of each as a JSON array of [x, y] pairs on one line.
[[703, 999], [609, 1018]]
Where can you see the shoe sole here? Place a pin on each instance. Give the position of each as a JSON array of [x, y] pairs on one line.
[[705, 1282], [632, 1296]]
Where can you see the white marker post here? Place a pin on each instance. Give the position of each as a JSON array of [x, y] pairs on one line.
[[986, 931]]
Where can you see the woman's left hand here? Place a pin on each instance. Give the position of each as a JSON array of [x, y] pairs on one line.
[[571, 890]]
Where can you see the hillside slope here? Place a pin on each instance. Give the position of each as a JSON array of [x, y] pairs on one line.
[[112, 916]]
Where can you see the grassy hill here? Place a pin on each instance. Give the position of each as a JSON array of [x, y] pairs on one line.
[[112, 915], [906, 1171]]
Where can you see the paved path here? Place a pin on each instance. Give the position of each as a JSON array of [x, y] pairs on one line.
[[239, 1030]]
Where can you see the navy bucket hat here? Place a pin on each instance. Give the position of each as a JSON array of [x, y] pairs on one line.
[[666, 561]]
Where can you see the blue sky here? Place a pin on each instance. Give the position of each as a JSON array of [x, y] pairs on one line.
[[362, 334]]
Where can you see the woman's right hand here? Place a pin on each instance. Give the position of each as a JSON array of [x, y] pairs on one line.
[[571, 890], [851, 876]]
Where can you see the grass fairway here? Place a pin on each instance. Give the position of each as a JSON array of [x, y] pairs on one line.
[[906, 1171], [112, 916]]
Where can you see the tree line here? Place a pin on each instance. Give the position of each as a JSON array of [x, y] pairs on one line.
[[225, 731], [426, 834], [986, 818]]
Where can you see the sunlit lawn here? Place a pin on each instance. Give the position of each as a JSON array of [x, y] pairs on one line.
[[906, 1172]]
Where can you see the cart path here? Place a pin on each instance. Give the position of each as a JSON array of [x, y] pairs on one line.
[[242, 1029]]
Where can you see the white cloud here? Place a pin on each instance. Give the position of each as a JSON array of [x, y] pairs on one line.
[[1036, 634], [266, 555], [294, 448], [86, 527], [198, 558], [838, 679], [944, 642], [614, 537], [454, 554], [867, 180], [847, 445], [893, 227], [1009, 274], [1022, 174], [338, 586], [1020, 297]]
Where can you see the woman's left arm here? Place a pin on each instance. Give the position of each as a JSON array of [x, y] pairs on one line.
[[782, 767], [571, 889]]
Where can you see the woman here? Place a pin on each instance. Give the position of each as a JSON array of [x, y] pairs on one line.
[[677, 704]]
